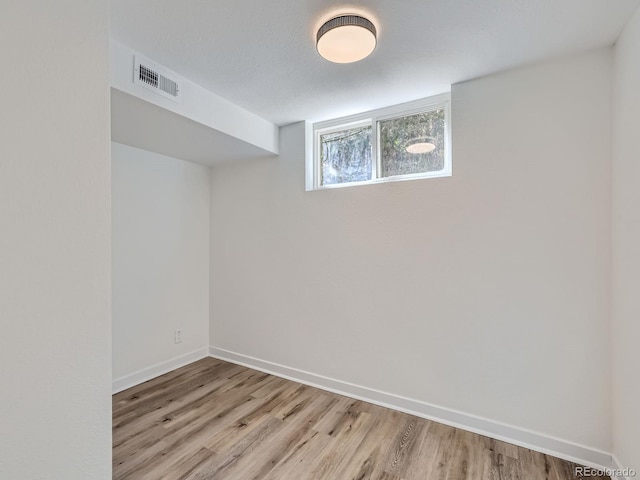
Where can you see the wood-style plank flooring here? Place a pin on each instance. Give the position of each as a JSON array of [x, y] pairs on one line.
[[217, 420]]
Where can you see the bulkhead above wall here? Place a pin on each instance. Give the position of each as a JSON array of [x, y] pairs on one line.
[[158, 110]]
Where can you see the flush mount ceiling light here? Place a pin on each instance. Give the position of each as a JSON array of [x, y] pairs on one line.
[[346, 39], [420, 145]]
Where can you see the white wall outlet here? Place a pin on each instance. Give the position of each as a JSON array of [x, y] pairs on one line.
[[178, 336]]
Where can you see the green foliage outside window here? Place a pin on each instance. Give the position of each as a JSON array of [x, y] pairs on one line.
[[399, 133]]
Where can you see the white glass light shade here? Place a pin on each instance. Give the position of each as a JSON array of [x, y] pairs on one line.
[[421, 147], [346, 39]]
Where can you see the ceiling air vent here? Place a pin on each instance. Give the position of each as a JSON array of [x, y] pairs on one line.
[[156, 78]]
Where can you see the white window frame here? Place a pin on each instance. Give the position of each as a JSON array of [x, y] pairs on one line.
[[372, 118]]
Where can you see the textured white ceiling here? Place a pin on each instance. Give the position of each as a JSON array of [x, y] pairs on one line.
[[261, 54]]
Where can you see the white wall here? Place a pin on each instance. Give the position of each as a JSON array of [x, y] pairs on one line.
[[626, 240], [55, 348], [487, 292], [160, 259]]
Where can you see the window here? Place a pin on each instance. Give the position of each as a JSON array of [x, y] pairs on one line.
[[404, 142], [345, 155]]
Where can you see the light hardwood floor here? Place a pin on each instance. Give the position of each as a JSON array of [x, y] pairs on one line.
[[217, 420]]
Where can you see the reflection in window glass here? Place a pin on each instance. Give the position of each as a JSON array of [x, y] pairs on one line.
[[346, 156], [412, 144]]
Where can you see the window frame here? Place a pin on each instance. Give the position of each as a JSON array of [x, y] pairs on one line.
[[373, 119]]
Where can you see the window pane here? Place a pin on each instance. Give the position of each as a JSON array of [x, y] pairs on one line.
[[346, 156], [412, 144]]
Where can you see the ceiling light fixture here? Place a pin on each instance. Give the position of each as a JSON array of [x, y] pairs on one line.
[[346, 39], [421, 147]]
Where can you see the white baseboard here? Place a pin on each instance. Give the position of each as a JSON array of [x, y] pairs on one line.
[[141, 376], [518, 436]]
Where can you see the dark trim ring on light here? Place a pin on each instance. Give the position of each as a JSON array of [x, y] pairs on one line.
[[346, 39]]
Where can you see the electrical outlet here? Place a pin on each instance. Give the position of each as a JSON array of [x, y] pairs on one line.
[[178, 336]]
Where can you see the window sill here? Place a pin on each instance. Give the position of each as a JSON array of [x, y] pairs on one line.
[[396, 178]]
